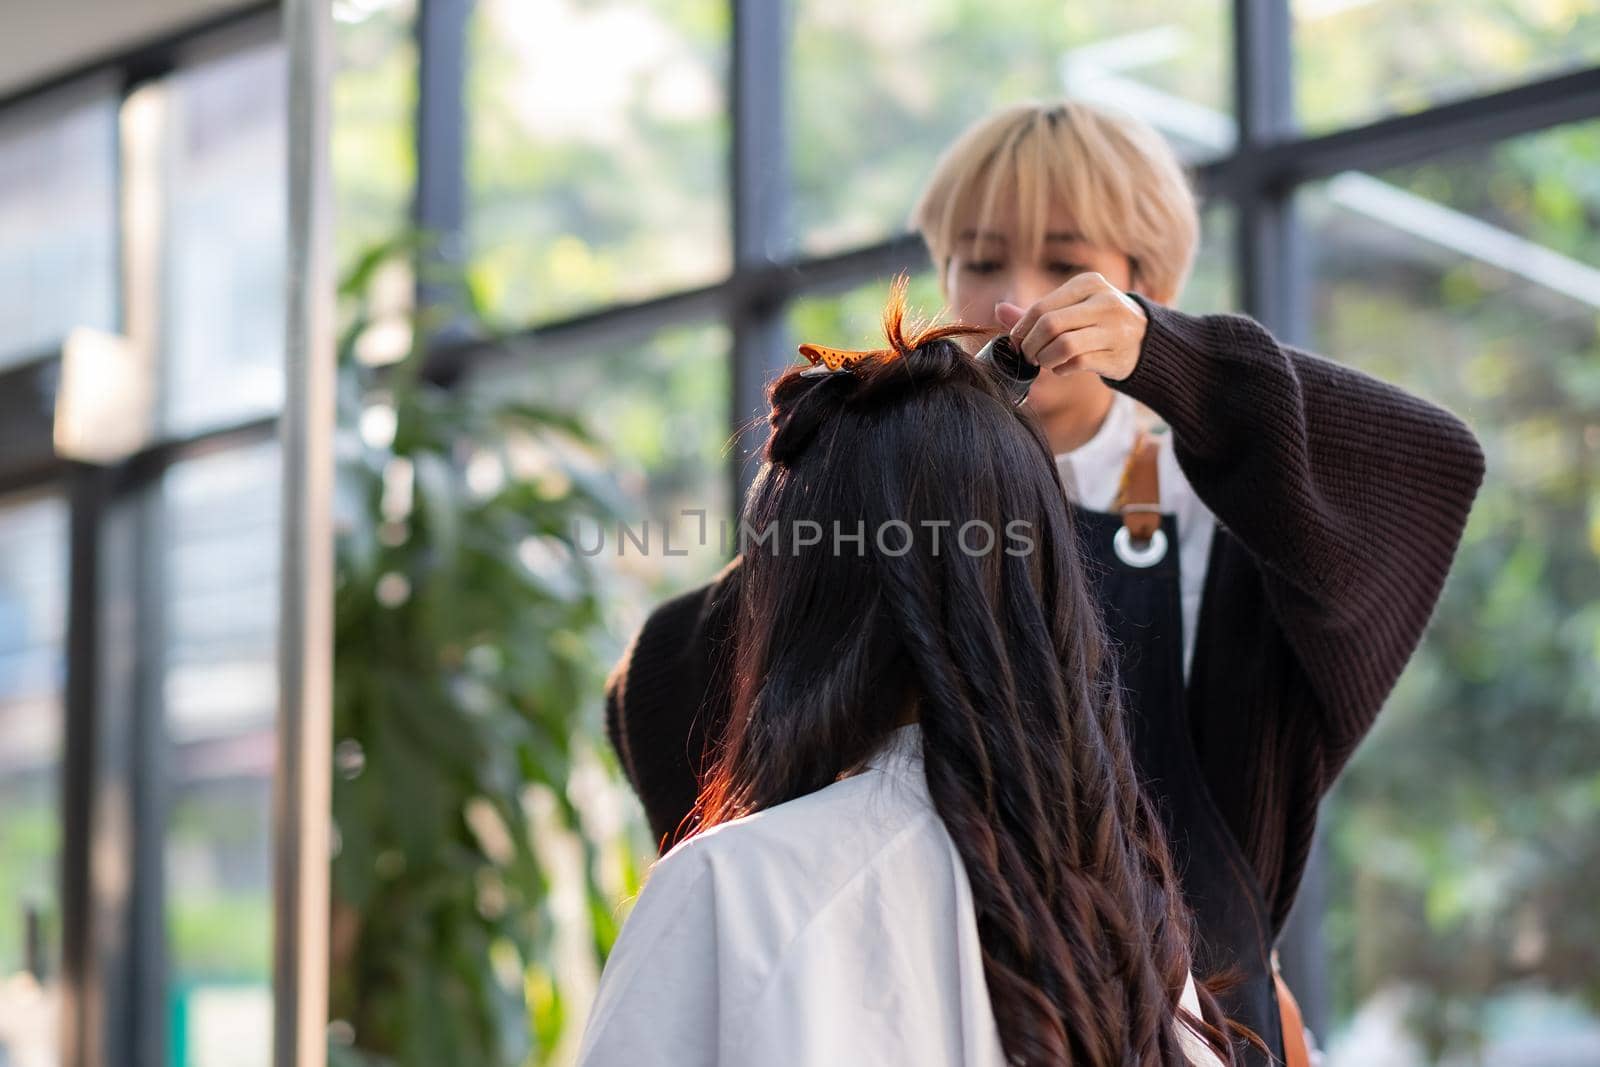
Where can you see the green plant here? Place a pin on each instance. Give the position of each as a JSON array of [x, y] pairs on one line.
[[463, 675]]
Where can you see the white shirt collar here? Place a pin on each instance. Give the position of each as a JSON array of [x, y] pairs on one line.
[[1090, 471]]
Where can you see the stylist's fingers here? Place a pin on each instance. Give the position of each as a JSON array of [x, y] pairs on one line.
[[1008, 314], [1026, 331], [1066, 350], [1088, 320], [1056, 324]]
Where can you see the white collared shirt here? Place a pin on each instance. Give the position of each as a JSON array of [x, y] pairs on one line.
[[836, 928], [1092, 472]]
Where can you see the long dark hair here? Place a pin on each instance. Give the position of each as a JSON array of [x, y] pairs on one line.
[[1086, 940]]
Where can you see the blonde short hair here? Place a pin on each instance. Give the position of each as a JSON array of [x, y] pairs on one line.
[[1116, 176]]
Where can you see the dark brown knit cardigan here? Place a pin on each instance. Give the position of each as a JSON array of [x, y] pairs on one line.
[[1340, 501]]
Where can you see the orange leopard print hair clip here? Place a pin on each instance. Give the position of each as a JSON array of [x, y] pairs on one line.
[[826, 360]]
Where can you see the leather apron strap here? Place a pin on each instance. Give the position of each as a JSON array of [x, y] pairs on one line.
[[1296, 1053], [1139, 492]]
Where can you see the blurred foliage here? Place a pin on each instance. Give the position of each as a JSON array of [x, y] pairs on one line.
[[374, 98], [218, 883], [30, 844], [1466, 833], [1356, 62], [464, 674], [854, 319], [588, 190], [664, 432], [224, 936], [879, 90]]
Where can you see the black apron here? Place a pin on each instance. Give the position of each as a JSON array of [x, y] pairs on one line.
[[1143, 613]]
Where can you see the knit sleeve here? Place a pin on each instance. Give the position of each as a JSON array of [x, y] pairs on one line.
[[1349, 493], [615, 698]]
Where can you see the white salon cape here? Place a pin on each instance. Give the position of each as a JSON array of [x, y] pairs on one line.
[[833, 930]]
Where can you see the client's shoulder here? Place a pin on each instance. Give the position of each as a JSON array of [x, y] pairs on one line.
[[796, 857]]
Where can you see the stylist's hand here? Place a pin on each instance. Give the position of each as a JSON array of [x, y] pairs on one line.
[[1087, 324]]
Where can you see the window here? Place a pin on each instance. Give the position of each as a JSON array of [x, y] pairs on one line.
[[219, 693], [57, 231], [877, 91], [659, 410], [223, 287], [1169, 64], [1212, 286], [1463, 837], [33, 578], [1361, 60], [597, 138], [854, 319], [134, 802], [374, 101]]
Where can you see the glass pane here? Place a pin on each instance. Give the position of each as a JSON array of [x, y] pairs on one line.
[[374, 103], [1361, 60], [659, 410], [33, 586], [597, 153], [1213, 283], [1466, 833], [854, 319], [57, 222], [220, 559], [225, 233], [877, 92]]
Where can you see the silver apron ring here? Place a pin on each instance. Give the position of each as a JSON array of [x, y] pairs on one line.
[[1153, 552]]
